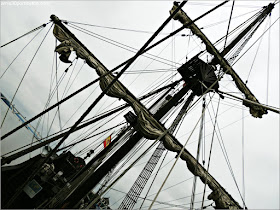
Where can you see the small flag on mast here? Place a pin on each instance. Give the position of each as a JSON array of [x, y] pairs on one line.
[[107, 141]]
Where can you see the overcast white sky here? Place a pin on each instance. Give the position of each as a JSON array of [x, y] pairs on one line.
[[261, 135]]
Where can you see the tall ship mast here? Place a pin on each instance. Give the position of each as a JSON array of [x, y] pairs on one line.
[[97, 158]]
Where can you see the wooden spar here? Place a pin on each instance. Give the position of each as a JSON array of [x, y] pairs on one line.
[[219, 195], [255, 110]]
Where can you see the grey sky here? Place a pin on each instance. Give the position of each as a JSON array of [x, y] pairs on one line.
[[261, 135]]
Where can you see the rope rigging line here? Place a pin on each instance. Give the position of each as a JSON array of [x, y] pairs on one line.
[[229, 23], [53, 106], [210, 121], [51, 94], [198, 151], [219, 22], [118, 44], [101, 132], [50, 98], [150, 71], [105, 123], [204, 191], [230, 33], [157, 84], [57, 98], [74, 78], [25, 74], [79, 107], [20, 53], [224, 151], [253, 62], [128, 157], [33, 30], [243, 158], [268, 58], [64, 92], [56, 88], [177, 199], [150, 64], [107, 27], [98, 142], [159, 202]]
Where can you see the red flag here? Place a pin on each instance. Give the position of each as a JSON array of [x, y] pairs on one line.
[[107, 141]]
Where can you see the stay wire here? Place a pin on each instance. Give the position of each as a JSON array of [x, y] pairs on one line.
[[85, 133], [153, 59], [219, 22], [198, 153], [268, 59], [177, 199], [204, 191], [253, 62], [74, 78], [229, 23], [84, 139], [64, 92], [89, 133], [57, 98], [118, 44], [33, 30], [79, 107], [224, 151], [20, 53], [25, 74], [159, 202], [108, 27], [243, 158]]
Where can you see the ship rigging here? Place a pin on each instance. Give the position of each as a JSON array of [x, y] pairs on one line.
[[198, 83]]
